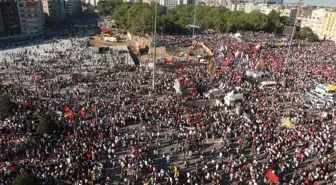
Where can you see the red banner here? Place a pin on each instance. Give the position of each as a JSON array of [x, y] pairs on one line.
[[31, 4]]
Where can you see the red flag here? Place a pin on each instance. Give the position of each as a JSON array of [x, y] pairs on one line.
[[270, 175], [36, 76], [199, 118], [194, 92], [93, 108], [227, 62], [75, 132], [12, 168], [89, 156], [70, 115], [178, 119], [26, 103], [67, 109]]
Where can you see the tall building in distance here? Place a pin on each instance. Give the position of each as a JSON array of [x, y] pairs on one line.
[[279, 2], [54, 10], [28, 16], [171, 4], [328, 27], [2, 26], [292, 14], [73, 7]]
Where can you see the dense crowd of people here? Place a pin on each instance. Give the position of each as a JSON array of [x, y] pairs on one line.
[[113, 128]]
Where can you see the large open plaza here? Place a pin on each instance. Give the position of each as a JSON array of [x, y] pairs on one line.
[[244, 108]]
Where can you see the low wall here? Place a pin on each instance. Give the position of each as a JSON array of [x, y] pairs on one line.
[[141, 42], [202, 103]]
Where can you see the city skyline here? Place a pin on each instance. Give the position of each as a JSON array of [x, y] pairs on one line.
[[329, 3]]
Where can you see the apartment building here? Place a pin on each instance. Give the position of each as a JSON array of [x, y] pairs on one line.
[[267, 8], [181, 2], [238, 6], [31, 16], [328, 27], [10, 17], [2, 26], [314, 21], [303, 13]]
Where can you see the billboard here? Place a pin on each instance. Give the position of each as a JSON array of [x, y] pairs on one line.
[[31, 4], [288, 30]]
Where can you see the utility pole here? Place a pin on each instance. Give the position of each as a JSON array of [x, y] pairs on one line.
[[154, 45]]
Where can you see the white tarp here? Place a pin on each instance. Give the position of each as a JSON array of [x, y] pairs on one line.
[[177, 86], [254, 74], [231, 98], [110, 39], [214, 91]]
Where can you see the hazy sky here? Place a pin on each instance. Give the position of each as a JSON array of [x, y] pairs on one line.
[[331, 3]]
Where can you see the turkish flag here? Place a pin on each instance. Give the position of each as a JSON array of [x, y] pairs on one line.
[[89, 156], [12, 168], [270, 175]]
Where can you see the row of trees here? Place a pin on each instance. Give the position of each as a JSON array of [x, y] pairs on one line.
[[306, 33], [139, 18]]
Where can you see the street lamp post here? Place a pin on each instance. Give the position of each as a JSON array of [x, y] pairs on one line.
[[291, 40], [154, 45], [194, 21]]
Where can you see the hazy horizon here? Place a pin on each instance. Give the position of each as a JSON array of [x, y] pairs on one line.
[[329, 3]]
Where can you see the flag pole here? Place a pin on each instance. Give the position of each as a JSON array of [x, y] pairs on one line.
[[154, 44]]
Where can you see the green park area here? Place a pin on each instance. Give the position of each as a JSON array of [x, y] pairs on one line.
[[139, 18]]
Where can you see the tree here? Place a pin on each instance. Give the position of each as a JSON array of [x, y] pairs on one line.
[[27, 179], [209, 16], [120, 14], [161, 10], [220, 23], [167, 24], [7, 107], [89, 7], [140, 18], [273, 21], [307, 33], [106, 7], [47, 125]]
